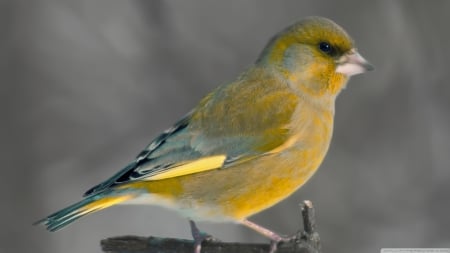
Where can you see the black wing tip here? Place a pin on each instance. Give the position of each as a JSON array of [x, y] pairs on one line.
[[110, 182], [90, 191], [124, 174]]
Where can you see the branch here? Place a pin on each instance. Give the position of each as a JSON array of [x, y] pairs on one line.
[[306, 241]]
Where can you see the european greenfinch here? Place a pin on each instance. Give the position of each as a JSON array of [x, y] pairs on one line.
[[248, 144]]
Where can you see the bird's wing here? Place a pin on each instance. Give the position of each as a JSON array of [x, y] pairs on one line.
[[201, 142], [168, 155]]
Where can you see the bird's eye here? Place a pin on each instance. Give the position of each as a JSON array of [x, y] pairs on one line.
[[326, 48]]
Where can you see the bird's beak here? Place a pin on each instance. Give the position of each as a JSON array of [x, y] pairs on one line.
[[352, 63]]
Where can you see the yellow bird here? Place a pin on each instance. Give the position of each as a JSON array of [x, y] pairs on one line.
[[248, 144]]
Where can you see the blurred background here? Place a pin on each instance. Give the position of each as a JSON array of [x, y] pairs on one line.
[[85, 85]]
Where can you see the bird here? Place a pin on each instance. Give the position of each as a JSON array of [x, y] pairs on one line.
[[248, 144]]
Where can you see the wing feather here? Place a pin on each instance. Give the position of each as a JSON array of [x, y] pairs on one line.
[[190, 167], [217, 134]]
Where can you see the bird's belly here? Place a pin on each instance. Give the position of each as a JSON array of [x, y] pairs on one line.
[[251, 188], [237, 192]]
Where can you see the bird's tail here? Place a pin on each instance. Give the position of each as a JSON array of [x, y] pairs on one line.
[[91, 204]]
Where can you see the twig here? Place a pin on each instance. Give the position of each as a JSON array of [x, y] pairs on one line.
[[306, 241]]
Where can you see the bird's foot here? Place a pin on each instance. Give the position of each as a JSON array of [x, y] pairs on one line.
[[277, 239], [200, 237]]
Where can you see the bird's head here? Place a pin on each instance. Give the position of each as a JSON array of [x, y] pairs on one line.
[[315, 55]]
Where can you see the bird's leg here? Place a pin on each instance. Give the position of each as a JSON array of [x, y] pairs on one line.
[[274, 237], [199, 237]]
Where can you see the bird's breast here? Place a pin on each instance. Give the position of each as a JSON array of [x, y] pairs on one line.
[[248, 188], [243, 189]]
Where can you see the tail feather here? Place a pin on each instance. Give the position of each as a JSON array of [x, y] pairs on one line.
[[64, 217]]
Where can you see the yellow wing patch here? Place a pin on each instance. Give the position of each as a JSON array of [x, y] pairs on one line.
[[191, 167], [103, 203]]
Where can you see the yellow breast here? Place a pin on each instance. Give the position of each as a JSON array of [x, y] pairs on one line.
[[239, 191]]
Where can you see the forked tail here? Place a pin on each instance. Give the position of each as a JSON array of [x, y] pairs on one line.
[[86, 206]]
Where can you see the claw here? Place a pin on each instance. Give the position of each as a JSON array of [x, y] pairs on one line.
[[281, 239], [199, 237], [275, 238]]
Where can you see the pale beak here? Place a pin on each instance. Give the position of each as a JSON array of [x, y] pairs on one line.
[[352, 63]]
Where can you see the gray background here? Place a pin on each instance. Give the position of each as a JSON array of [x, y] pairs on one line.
[[85, 85]]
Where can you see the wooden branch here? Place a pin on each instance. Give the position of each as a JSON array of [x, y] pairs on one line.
[[306, 241]]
